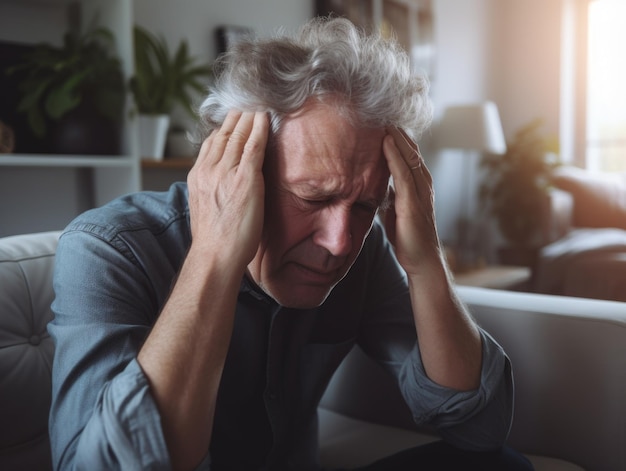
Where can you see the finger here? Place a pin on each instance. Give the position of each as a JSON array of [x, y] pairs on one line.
[[408, 149], [222, 135], [227, 127], [398, 168], [412, 157], [238, 138], [254, 150], [205, 149]]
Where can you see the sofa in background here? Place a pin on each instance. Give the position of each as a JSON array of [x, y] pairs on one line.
[[568, 355], [588, 258]]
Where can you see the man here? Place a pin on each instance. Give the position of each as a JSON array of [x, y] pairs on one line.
[[198, 328]]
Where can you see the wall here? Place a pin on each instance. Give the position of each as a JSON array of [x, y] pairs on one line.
[[526, 73], [507, 51], [196, 21], [503, 50], [463, 38]]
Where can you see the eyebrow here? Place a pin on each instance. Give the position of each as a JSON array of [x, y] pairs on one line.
[[311, 191]]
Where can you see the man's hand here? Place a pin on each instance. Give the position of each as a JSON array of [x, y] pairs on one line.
[[410, 221], [184, 355], [226, 188], [449, 341]]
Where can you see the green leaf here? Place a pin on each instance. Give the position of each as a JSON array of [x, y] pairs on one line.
[[37, 122], [161, 80], [56, 80], [60, 101]]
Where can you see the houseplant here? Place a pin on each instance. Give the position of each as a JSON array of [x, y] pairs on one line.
[[516, 186], [161, 81], [74, 95]]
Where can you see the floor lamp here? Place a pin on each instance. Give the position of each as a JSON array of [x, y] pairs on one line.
[[471, 128]]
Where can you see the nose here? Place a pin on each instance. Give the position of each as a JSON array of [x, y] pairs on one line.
[[334, 231]]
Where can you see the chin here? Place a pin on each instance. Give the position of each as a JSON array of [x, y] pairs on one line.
[[302, 297]]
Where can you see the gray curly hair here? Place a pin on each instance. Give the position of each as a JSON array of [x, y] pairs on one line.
[[367, 76]]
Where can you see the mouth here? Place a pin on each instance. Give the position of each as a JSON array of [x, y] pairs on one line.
[[314, 276]]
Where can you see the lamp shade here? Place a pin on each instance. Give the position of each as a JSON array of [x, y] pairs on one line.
[[471, 127]]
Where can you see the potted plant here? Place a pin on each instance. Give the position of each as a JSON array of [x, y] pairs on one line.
[[517, 185], [74, 95], [162, 81]]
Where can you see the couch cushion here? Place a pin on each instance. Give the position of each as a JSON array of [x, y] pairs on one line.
[[347, 442], [599, 198], [26, 266]]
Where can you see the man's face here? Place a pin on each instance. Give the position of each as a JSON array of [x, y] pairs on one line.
[[324, 182]]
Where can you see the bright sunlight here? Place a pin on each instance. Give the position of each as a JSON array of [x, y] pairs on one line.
[[606, 92]]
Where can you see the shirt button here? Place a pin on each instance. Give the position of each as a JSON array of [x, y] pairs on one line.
[[34, 340]]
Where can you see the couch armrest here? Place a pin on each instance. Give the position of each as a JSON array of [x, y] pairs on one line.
[[569, 364], [558, 215], [26, 349]]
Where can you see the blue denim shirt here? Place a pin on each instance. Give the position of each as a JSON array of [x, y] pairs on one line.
[[115, 267]]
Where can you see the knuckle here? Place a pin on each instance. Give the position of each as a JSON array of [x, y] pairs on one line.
[[252, 146], [237, 138]]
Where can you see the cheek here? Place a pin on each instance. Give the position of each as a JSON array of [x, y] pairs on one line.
[[285, 223]]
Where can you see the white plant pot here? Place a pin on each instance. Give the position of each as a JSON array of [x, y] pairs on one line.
[[152, 135]]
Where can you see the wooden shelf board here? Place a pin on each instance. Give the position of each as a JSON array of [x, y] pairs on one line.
[[169, 163], [53, 160]]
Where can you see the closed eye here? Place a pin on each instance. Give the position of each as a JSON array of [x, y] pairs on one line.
[[312, 204], [369, 206]]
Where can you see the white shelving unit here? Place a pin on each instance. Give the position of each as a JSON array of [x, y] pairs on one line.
[[91, 180]]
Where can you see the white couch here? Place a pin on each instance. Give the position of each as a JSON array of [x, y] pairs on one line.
[[569, 360], [569, 363]]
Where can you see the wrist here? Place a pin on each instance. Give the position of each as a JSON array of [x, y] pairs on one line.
[[212, 267]]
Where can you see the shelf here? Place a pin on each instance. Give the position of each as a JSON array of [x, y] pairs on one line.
[[52, 160], [79, 182], [35, 3], [177, 163]]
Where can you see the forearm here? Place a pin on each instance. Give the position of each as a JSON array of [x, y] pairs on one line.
[[449, 340], [184, 354]]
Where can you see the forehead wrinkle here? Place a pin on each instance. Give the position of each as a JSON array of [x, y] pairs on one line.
[[327, 187], [355, 190], [340, 176], [336, 159]]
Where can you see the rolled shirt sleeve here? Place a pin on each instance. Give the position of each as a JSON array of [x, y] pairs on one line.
[[123, 428], [102, 414], [475, 420], [109, 286]]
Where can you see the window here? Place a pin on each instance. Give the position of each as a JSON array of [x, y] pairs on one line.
[[606, 86]]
